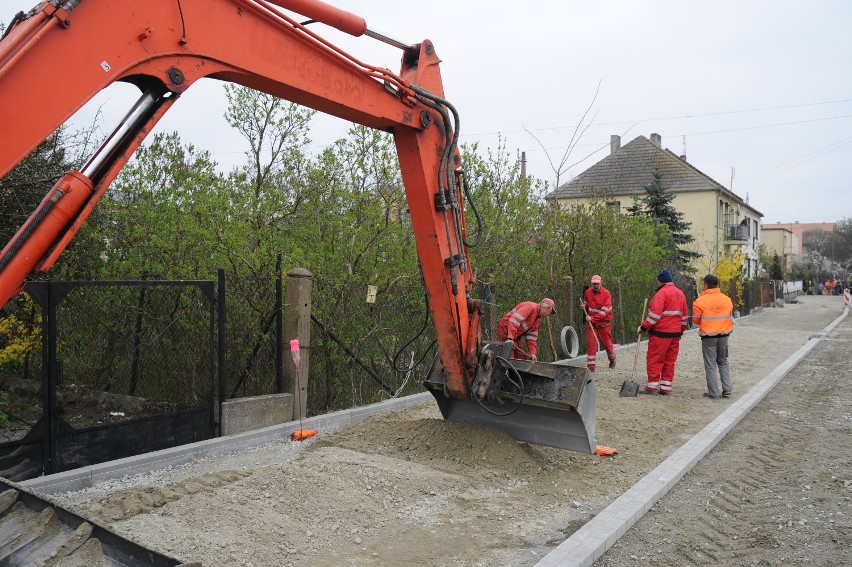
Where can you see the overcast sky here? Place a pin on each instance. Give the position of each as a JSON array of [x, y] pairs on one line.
[[756, 94]]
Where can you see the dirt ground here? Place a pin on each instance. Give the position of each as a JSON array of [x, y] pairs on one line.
[[407, 488]]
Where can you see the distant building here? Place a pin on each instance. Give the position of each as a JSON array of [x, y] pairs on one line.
[[810, 235], [783, 243], [721, 221]]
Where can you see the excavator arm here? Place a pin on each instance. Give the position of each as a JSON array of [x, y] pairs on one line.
[[62, 53]]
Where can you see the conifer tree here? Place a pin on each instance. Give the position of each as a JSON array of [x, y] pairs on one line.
[[656, 205]]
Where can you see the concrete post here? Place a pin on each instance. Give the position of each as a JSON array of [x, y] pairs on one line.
[[297, 325]]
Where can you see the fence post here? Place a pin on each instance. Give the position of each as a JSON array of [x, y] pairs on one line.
[[279, 327], [222, 343], [569, 301], [297, 325]]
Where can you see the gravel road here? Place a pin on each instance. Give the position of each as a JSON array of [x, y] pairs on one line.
[[407, 488], [775, 491]]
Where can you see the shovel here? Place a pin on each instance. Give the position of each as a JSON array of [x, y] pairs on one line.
[[630, 388], [586, 317]]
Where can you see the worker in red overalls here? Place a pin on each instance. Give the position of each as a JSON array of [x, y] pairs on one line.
[[667, 317], [597, 307], [521, 325]]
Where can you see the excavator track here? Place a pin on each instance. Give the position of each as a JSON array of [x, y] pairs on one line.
[[36, 532]]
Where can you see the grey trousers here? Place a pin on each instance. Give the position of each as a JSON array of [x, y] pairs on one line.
[[715, 351]]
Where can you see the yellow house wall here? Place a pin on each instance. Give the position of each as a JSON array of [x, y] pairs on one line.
[[781, 242], [775, 241], [701, 209]]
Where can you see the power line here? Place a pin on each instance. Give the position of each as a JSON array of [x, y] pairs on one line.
[[791, 164], [711, 132], [701, 115]]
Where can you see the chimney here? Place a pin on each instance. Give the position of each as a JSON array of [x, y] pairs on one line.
[[683, 157], [523, 164], [657, 140], [614, 143]]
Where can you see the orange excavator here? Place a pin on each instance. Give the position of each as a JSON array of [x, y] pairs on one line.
[[60, 54]]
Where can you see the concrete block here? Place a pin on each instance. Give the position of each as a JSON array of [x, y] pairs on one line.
[[68, 481], [247, 414]]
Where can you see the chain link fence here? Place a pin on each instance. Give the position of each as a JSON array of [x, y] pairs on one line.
[[134, 343]]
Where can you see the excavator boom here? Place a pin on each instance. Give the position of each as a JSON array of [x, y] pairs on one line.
[[59, 55]]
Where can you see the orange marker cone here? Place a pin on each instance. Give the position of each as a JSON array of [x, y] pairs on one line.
[[302, 434]]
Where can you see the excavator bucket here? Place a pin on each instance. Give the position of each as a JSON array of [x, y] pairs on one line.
[[535, 402]]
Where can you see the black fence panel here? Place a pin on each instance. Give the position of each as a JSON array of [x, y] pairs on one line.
[[250, 336], [23, 425], [85, 446], [126, 368]]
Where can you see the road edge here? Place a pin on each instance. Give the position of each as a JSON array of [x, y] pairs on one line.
[[598, 535]]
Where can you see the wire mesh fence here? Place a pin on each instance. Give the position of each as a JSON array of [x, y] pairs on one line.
[[148, 341], [250, 337], [124, 350], [363, 352], [122, 344]]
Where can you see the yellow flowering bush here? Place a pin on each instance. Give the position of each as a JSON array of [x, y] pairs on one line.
[[18, 337], [729, 270]]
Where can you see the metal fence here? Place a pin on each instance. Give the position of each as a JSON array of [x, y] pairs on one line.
[[124, 368], [126, 352], [360, 350]]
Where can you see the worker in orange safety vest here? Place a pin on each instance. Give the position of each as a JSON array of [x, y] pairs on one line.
[[521, 324], [666, 321], [597, 308], [713, 312]]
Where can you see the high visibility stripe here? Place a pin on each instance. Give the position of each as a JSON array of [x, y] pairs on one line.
[[716, 318], [672, 312], [532, 335]]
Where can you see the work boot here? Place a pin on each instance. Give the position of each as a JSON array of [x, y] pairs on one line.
[[647, 392], [709, 395], [726, 394], [612, 363]]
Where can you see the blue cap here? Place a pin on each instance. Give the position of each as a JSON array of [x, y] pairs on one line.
[[664, 276]]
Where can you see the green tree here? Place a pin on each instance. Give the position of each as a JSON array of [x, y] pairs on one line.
[[158, 219], [839, 242], [590, 238], [23, 188], [508, 204], [775, 270]]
